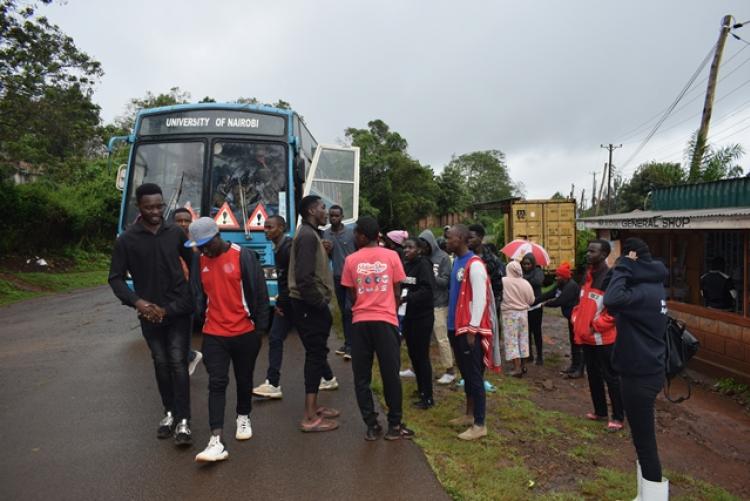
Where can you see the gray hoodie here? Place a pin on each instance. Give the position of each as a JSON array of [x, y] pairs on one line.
[[441, 266]]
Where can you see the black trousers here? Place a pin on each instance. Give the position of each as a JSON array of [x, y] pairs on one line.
[[169, 351], [576, 350], [368, 339], [535, 332], [314, 326], [471, 365], [218, 351], [638, 396], [418, 332], [599, 370]]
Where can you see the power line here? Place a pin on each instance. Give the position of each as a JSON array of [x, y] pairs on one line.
[[671, 107]]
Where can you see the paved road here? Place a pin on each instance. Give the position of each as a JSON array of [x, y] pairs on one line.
[[79, 409]]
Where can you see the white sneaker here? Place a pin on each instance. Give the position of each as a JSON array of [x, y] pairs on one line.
[[192, 365], [215, 451], [328, 384], [267, 390], [446, 379], [407, 373], [244, 430]]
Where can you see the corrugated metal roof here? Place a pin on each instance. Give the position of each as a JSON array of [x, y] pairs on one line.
[[724, 193], [726, 218]]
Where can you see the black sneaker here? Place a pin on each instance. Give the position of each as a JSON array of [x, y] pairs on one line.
[[182, 435], [347, 353], [424, 403], [166, 426], [373, 432], [398, 432], [341, 351]]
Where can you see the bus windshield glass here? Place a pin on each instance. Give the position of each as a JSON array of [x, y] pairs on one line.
[[176, 167], [248, 184]]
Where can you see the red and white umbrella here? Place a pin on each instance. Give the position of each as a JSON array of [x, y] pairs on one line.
[[517, 249]]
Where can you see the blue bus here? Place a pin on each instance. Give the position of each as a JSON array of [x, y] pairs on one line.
[[238, 164]]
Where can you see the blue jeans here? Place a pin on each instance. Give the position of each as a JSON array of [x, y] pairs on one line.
[[345, 306], [169, 351], [280, 327]]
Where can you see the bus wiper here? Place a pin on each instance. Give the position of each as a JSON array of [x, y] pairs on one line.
[[175, 199], [248, 235]]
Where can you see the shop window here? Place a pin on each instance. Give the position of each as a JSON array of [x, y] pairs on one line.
[[723, 277]]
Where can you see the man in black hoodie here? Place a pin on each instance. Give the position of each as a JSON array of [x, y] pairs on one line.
[[635, 297]]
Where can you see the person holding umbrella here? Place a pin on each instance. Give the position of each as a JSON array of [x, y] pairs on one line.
[[533, 274]]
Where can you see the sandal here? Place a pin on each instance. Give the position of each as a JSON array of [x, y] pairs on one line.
[[595, 417], [318, 425], [327, 412], [614, 425]]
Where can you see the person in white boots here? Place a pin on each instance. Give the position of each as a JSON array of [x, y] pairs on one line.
[[236, 309], [635, 297]]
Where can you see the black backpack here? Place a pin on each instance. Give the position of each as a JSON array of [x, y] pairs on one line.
[[681, 346]]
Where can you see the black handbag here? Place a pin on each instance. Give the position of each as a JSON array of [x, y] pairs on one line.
[[681, 346]]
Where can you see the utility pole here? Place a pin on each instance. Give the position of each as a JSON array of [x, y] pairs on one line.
[[611, 147], [700, 140], [601, 190], [593, 192], [582, 205]]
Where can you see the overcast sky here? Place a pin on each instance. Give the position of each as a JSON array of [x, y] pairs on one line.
[[546, 82]]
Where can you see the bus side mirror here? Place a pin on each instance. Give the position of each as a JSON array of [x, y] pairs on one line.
[[122, 171]]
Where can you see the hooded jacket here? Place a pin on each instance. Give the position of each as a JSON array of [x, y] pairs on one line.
[[420, 284], [441, 267], [535, 277], [518, 294], [635, 296], [592, 323]]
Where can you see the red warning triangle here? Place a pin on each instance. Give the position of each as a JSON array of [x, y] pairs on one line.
[[257, 219], [225, 218], [189, 207]]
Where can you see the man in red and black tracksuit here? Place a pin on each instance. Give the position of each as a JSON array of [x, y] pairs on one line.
[[594, 328]]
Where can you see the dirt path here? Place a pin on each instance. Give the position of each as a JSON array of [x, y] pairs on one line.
[[705, 437]]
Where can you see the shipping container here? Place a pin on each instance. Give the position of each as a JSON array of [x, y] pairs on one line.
[[550, 223]]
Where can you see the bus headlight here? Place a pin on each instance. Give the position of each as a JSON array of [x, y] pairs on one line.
[[270, 273]]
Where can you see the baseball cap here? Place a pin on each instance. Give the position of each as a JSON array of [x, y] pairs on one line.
[[201, 232]]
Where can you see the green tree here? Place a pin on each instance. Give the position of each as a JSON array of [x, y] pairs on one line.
[[486, 175], [46, 113], [453, 194], [648, 177], [175, 95], [715, 164], [558, 196], [400, 189]]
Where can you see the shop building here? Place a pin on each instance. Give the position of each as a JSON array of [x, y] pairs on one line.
[[701, 233]]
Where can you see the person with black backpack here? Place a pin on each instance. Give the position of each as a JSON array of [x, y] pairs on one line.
[[635, 297]]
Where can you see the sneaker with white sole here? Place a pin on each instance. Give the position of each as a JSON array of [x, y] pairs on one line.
[[194, 362], [166, 426], [407, 373], [328, 384], [215, 451], [268, 390], [446, 378], [244, 430], [474, 432]]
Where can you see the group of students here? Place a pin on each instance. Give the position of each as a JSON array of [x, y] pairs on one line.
[[615, 323]]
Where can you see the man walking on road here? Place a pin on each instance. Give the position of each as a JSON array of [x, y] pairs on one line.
[[472, 323], [236, 306], [182, 218], [282, 314], [311, 289], [150, 250], [342, 244], [373, 275]]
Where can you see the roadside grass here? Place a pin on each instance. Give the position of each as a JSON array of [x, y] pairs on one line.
[[529, 453], [83, 269]]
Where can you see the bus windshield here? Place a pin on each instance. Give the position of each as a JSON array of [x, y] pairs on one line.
[[248, 183], [175, 166]]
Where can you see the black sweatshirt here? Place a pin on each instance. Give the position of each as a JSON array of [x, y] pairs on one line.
[[420, 282], [153, 261], [635, 296], [566, 300], [281, 256]]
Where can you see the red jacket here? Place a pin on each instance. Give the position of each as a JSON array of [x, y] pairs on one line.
[[592, 323]]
